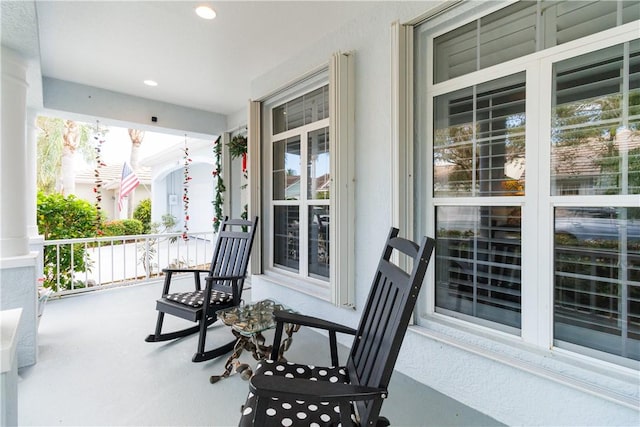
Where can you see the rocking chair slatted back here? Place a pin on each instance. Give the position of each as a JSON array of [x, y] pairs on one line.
[[386, 318], [231, 255]]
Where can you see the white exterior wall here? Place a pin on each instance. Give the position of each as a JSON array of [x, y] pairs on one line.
[[518, 385]]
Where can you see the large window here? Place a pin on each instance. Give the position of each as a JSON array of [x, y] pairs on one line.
[[308, 183], [300, 182], [528, 155]]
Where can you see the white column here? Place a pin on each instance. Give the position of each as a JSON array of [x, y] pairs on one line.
[[32, 178], [17, 264], [13, 155]]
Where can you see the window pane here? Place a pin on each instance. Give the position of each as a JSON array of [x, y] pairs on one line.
[[507, 34], [570, 20], [597, 279], [318, 174], [523, 28], [316, 105], [319, 242], [300, 111], [591, 150], [286, 240], [456, 53], [478, 262], [479, 140], [286, 169]]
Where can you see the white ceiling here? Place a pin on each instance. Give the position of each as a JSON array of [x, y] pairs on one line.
[[202, 64]]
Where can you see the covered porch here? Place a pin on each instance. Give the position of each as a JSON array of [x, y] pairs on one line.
[[94, 368]]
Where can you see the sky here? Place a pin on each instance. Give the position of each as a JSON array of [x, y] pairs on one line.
[[116, 147]]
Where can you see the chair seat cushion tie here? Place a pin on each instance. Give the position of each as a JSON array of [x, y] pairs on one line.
[[299, 412], [195, 299]]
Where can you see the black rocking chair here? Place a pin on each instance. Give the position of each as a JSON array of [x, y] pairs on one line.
[[224, 285], [285, 393]]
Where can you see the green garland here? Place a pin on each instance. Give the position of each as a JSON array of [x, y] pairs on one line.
[[237, 146], [220, 188]]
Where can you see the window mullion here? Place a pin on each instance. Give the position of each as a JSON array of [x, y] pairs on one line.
[[303, 234]]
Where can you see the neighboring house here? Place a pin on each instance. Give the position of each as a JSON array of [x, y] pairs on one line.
[[110, 176], [167, 170]]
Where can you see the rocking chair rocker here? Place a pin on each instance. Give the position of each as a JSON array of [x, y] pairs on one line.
[[285, 393], [224, 285]]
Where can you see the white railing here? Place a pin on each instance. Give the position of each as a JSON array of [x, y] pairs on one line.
[[80, 265]]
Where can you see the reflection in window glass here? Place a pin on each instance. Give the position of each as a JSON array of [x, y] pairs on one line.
[[479, 140], [301, 111], [319, 242], [595, 139], [318, 174], [286, 239], [286, 169], [597, 279], [478, 259], [513, 32]]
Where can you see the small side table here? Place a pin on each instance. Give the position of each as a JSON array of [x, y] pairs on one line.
[[247, 323]]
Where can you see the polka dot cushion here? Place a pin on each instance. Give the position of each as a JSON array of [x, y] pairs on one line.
[[297, 413], [195, 299]]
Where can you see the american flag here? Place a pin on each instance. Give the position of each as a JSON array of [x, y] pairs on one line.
[[128, 183]]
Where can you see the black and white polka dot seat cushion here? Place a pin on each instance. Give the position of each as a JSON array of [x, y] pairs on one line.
[[296, 413], [195, 299]]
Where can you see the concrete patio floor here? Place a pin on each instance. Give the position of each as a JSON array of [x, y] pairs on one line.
[[95, 369]]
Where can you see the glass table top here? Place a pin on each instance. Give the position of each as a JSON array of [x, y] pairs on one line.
[[251, 319]]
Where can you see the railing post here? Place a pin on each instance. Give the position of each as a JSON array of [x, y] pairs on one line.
[[147, 264]]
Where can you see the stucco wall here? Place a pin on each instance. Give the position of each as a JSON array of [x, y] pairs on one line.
[[512, 393]]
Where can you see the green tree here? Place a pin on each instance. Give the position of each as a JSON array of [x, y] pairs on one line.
[[58, 141], [61, 217]]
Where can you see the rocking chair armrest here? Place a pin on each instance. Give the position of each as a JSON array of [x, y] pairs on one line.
[[233, 278], [313, 322], [307, 390], [184, 270]]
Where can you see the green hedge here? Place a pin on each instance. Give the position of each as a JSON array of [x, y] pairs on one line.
[[122, 227]]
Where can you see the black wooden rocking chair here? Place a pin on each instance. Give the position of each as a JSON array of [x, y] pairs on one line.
[[224, 285], [284, 393]]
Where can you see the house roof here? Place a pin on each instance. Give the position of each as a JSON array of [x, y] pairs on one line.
[[111, 174]]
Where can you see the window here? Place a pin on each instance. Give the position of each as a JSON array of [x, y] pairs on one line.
[[527, 158], [300, 180], [595, 150], [307, 202]]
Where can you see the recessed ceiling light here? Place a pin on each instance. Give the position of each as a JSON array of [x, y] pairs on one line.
[[151, 83], [205, 12]]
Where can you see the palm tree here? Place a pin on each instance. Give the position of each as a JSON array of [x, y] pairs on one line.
[[136, 141], [58, 141]]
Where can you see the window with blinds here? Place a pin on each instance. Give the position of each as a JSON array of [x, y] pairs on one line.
[[479, 139], [522, 28], [595, 151], [597, 279], [573, 207], [478, 263], [589, 155]]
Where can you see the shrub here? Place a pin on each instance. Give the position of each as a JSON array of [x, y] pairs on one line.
[[142, 213], [122, 227], [62, 217], [132, 226]]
